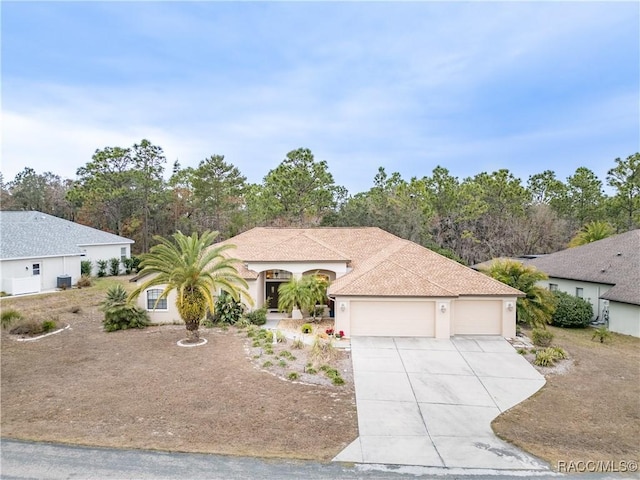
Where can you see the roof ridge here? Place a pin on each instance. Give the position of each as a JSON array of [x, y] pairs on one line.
[[325, 245]]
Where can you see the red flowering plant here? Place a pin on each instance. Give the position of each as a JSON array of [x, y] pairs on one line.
[[329, 331], [340, 334]]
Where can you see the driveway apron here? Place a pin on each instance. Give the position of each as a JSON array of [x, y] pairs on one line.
[[430, 402]]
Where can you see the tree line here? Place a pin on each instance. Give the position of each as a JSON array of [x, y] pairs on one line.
[[123, 190]]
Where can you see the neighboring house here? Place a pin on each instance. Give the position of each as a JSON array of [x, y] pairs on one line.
[[42, 252], [380, 284], [606, 273]]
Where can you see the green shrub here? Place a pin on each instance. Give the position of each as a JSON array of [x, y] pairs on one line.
[[541, 337], [9, 316], [522, 351], [120, 313], [227, 310], [286, 354], [244, 322], [545, 358], [85, 267], [252, 331], [571, 312], [310, 370], [267, 364], [306, 328], [84, 281], [114, 267], [102, 268], [257, 316], [558, 352], [332, 374], [293, 376], [280, 338], [49, 326], [131, 265], [282, 363], [602, 334], [268, 349]]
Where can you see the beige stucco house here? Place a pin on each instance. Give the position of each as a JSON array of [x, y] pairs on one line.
[[380, 284]]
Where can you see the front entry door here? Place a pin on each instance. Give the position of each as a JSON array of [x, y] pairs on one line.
[[272, 295]]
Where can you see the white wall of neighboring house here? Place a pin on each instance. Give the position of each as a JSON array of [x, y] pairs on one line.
[[34, 275], [591, 292], [159, 315], [105, 252], [624, 318]]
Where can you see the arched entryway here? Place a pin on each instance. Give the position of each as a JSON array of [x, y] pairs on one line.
[[272, 281]]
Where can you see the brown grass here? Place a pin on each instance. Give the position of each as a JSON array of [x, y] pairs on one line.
[[138, 389], [588, 412]]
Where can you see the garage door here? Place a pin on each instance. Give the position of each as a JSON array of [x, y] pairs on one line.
[[478, 317], [398, 319]]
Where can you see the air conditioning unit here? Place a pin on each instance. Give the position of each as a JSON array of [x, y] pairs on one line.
[[64, 281]]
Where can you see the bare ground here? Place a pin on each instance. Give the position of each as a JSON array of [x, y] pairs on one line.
[[138, 389], [589, 409]]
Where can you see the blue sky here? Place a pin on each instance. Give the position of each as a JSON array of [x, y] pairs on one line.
[[471, 86]]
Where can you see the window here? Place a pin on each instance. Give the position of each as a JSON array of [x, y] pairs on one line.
[[123, 254], [553, 287], [152, 297], [35, 269], [579, 292]]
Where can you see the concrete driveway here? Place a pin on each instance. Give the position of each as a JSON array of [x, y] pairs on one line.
[[430, 402]]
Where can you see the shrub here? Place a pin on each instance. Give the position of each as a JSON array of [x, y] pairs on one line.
[[257, 316], [243, 322], [571, 312], [286, 354], [310, 370], [84, 281], [227, 310], [280, 338], [306, 328], [544, 358], [131, 264], [333, 374], [102, 268], [267, 364], [602, 334], [85, 267], [27, 327], [49, 326], [541, 337], [282, 363], [322, 351], [297, 343], [114, 267], [293, 376], [9, 316], [120, 313], [548, 356], [252, 331]]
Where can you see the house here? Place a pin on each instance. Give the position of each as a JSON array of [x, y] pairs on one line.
[[380, 284], [606, 273], [41, 252]]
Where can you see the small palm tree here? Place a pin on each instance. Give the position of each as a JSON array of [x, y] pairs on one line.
[[194, 268], [591, 232], [317, 287], [121, 313], [537, 307], [293, 294]]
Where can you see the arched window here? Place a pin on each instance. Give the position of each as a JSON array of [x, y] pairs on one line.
[[152, 297]]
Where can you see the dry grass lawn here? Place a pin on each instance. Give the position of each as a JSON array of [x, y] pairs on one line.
[[587, 412], [138, 389]]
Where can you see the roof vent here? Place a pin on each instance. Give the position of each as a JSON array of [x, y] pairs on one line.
[[619, 254]]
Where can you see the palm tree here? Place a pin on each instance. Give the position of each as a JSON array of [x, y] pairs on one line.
[[537, 307], [293, 295], [591, 232], [195, 268]]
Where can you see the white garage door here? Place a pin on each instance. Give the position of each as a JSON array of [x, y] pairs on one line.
[[388, 318], [478, 317]]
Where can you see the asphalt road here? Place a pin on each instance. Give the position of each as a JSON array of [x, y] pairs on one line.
[[43, 461]]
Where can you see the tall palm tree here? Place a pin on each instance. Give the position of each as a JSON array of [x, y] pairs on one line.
[[537, 307], [195, 268], [591, 232]]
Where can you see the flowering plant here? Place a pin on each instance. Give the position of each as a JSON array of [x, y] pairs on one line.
[[340, 334], [329, 331]]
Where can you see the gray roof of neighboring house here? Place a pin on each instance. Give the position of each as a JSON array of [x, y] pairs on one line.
[[34, 234], [614, 260]]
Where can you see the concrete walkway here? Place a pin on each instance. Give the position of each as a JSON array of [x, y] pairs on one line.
[[430, 402]]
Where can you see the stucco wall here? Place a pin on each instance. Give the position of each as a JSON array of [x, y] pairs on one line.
[[624, 318], [17, 275]]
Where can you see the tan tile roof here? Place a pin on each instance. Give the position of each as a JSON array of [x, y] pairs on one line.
[[382, 264]]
